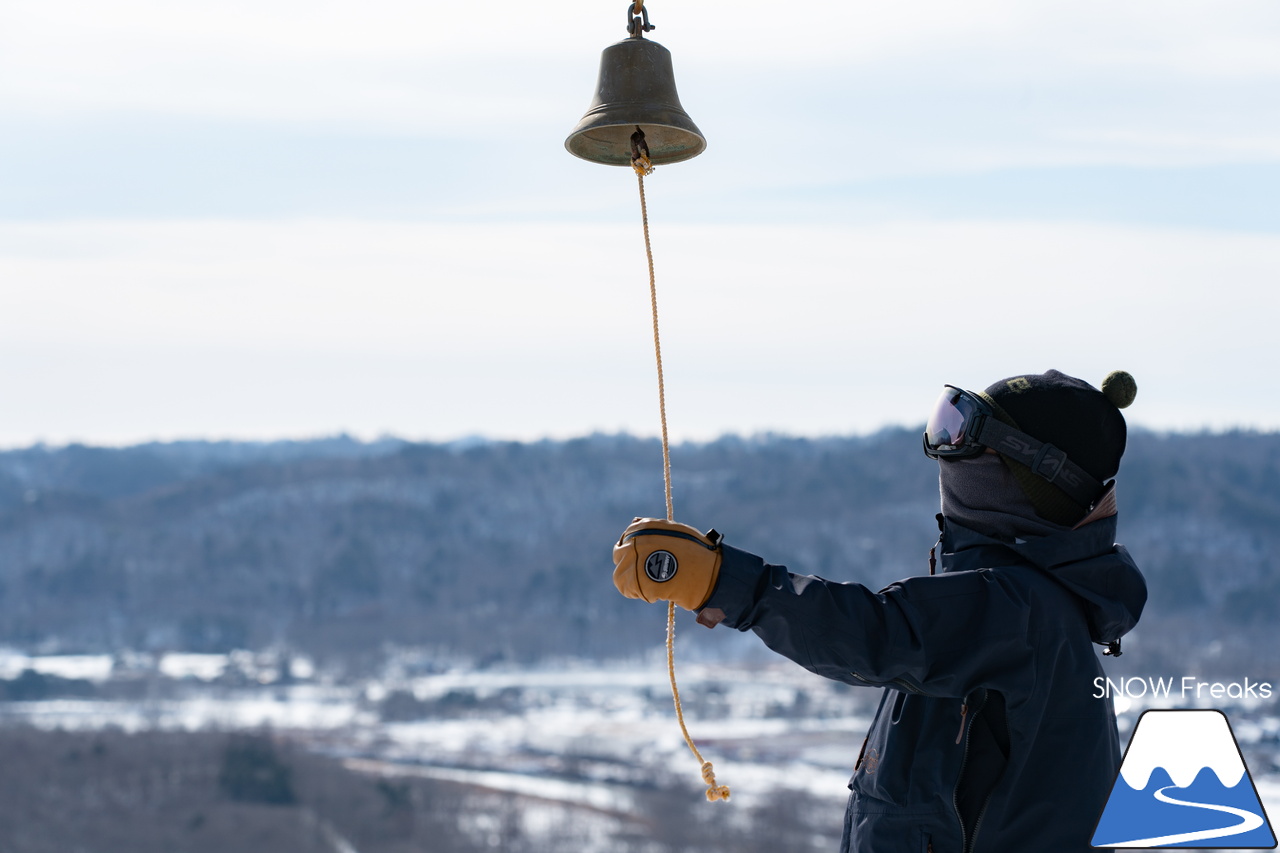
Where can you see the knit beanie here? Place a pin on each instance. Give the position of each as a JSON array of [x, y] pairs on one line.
[[1073, 416]]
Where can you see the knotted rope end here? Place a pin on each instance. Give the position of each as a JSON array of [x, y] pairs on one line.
[[714, 792]]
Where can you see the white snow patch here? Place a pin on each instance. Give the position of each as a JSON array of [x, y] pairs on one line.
[[202, 667], [613, 798], [87, 667]]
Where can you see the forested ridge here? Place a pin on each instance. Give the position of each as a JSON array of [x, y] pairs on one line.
[[498, 551]]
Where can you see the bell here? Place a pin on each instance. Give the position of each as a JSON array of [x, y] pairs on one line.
[[637, 88]]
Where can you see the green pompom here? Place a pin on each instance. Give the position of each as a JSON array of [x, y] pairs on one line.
[[1120, 388]]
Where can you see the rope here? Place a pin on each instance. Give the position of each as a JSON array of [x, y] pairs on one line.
[[714, 792], [657, 341]]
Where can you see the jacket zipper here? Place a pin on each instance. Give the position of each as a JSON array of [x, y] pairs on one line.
[[978, 824], [982, 812], [907, 688], [896, 682], [955, 803]]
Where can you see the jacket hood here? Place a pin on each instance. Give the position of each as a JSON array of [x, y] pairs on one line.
[[1086, 560]]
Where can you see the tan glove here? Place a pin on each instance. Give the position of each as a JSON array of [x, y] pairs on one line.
[[660, 560]]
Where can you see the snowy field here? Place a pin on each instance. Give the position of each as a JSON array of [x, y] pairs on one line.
[[583, 737]]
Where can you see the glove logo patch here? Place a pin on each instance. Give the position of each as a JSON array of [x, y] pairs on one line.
[[661, 566]]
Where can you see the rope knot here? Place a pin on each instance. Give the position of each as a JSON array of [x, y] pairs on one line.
[[714, 791]]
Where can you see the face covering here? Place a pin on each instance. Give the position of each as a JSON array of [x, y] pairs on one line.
[[981, 493]]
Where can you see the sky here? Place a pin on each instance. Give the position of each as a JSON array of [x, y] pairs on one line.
[[268, 219]]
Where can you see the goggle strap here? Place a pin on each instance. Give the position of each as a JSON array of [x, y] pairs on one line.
[[1044, 460]]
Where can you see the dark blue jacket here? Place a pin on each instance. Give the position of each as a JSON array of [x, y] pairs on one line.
[[989, 739]]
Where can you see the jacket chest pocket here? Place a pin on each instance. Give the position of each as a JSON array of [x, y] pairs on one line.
[[883, 768], [910, 754]]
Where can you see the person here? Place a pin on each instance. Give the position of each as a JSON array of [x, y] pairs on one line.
[[988, 737]]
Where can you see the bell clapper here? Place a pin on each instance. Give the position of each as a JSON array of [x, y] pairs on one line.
[[640, 154]]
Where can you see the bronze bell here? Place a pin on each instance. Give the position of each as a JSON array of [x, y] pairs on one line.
[[636, 88]]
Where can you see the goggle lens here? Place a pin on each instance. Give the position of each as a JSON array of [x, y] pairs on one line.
[[947, 433]]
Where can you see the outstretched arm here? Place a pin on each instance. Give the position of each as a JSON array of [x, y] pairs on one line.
[[939, 635]]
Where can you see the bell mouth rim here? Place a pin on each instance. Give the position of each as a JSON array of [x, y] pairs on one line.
[[664, 160], [659, 157]]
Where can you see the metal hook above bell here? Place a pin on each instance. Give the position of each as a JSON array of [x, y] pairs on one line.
[[636, 88]]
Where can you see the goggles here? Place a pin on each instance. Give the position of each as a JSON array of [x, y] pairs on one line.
[[964, 425], [952, 430]]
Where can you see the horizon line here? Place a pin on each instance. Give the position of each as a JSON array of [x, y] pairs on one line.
[[481, 439]]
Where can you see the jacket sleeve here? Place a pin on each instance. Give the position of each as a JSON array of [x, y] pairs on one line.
[[941, 635]]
